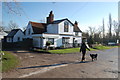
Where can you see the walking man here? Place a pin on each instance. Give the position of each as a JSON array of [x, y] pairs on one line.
[[83, 48]]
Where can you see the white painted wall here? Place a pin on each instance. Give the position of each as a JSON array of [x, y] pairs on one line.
[[18, 34], [2, 34], [57, 39], [37, 42], [46, 36], [59, 43], [79, 39], [27, 30], [61, 28], [41, 42], [52, 28]]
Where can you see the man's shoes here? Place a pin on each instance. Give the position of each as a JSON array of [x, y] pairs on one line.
[[82, 60]]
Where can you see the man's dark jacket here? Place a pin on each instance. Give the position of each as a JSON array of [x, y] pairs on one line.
[[83, 48]]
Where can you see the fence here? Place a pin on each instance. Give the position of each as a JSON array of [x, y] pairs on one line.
[[25, 44]]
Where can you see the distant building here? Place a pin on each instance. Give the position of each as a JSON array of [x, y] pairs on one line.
[[2, 34], [14, 36]]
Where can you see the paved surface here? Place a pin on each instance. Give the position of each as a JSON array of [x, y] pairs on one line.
[[36, 65]]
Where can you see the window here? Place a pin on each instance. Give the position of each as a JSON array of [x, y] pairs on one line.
[[65, 40], [66, 25], [51, 40], [76, 33], [76, 41]]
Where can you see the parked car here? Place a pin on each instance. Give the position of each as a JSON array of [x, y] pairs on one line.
[[112, 44]]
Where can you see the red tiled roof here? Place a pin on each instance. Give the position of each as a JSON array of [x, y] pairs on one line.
[[38, 28]]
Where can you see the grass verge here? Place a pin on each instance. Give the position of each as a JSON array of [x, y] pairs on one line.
[[72, 50], [104, 47], [9, 61], [69, 50]]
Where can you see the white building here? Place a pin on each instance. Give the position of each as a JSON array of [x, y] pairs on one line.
[[2, 34], [60, 32], [15, 35]]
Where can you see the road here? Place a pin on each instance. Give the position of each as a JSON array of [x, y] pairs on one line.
[[69, 66]]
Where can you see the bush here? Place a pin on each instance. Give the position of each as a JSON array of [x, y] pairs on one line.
[[48, 43]]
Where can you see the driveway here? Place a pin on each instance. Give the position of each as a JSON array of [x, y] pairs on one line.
[[42, 65]]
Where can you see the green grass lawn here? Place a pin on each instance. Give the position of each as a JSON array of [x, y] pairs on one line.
[[72, 50], [104, 47], [10, 63], [69, 50], [62, 51]]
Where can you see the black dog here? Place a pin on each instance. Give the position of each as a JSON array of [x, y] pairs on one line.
[[94, 56]]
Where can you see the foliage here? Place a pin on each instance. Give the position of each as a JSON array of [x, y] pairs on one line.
[[62, 51], [9, 61], [48, 43], [90, 41], [101, 35], [104, 47], [13, 25]]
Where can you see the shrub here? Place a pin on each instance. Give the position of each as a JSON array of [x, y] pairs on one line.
[[48, 43]]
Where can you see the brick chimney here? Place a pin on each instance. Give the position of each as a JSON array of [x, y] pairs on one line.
[[76, 23], [50, 18]]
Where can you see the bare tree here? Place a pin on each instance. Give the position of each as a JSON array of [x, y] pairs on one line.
[[85, 34], [110, 26], [12, 25], [12, 7], [24, 28], [2, 28], [103, 29], [91, 31], [116, 28], [103, 32]]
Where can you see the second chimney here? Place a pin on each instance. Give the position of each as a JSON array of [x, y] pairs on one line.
[[50, 18]]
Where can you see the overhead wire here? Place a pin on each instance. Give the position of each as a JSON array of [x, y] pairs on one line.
[[79, 9]]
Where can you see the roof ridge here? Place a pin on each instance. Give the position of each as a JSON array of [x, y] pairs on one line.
[[36, 22], [61, 19]]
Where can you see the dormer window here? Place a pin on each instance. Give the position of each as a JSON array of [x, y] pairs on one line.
[[66, 26]]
